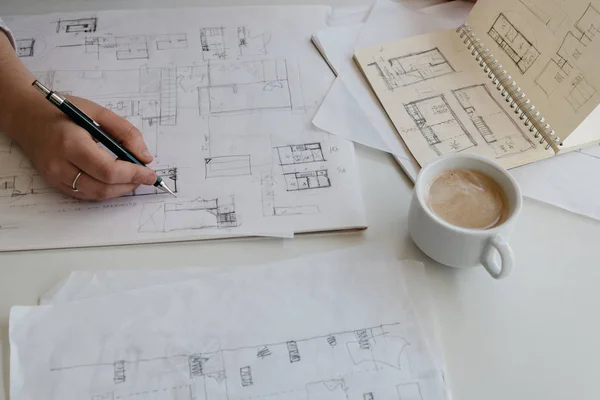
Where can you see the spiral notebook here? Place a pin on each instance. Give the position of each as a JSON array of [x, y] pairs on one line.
[[517, 83]]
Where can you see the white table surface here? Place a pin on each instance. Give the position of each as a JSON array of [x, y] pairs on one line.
[[535, 335]]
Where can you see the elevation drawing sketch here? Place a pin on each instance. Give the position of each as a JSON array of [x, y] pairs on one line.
[[562, 69], [492, 122], [300, 154], [106, 47], [23, 184], [307, 180], [299, 168], [439, 125], [226, 166], [133, 47], [76, 26], [171, 41], [246, 86], [412, 68], [547, 11], [250, 43], [25, 47], [512, 41], [212, 41], [168, 175], [580, 92], [365, 364], [188, 215], [273, 206]]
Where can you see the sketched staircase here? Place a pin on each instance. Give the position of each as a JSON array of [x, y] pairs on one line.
[[429, 135], [420, 121], [484, 129], [168, 97]]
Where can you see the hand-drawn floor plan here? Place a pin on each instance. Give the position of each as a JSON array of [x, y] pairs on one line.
[[334, 366], [412, 68], [564, 69], [439, 125], [224, 108], [548, 11], [512, 41], [492, 122]]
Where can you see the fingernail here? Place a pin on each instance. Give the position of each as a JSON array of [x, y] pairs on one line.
[[146, 153]]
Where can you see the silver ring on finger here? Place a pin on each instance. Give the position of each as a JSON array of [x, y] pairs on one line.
[[74, 184]]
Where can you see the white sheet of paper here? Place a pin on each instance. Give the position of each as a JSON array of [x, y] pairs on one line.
[[82, 285], [307, 330], [340, 113], [224, 98], [569, 181]]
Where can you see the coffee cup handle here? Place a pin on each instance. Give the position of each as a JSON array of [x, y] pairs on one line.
[[498, 243]]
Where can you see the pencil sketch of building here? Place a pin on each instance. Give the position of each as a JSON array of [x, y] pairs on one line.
[[563, 70], [412, 68], [439, 125], [364, 364], [512, 41], [493, 123]]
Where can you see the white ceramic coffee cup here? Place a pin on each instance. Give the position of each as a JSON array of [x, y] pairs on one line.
[[461, 247]]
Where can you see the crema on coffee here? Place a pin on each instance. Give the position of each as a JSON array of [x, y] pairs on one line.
[[468, 199]]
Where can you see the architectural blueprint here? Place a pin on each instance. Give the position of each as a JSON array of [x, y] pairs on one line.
[[275, 342], [224, 99]]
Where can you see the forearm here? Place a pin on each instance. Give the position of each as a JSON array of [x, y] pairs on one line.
[[17, 96]]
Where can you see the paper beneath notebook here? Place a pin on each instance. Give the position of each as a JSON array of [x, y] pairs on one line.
[[308, 330], [224, 98], [569, 181]]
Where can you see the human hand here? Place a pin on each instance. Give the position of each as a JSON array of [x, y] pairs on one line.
[[60, 149]]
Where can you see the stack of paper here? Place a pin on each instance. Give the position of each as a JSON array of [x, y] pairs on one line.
[[350, 109], [224, 98], [339, 326]]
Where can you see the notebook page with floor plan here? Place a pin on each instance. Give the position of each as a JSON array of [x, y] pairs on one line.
[[440, 102], [224, 98], [435, 91], [552, 50]]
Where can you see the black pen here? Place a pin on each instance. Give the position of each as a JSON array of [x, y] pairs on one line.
[[87, 123]]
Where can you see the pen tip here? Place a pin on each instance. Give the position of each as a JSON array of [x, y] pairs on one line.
[[164, 187]]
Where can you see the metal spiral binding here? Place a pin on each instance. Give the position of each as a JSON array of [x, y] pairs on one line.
[[509, 89]]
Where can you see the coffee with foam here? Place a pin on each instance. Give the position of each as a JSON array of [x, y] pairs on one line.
[[468, 199]]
